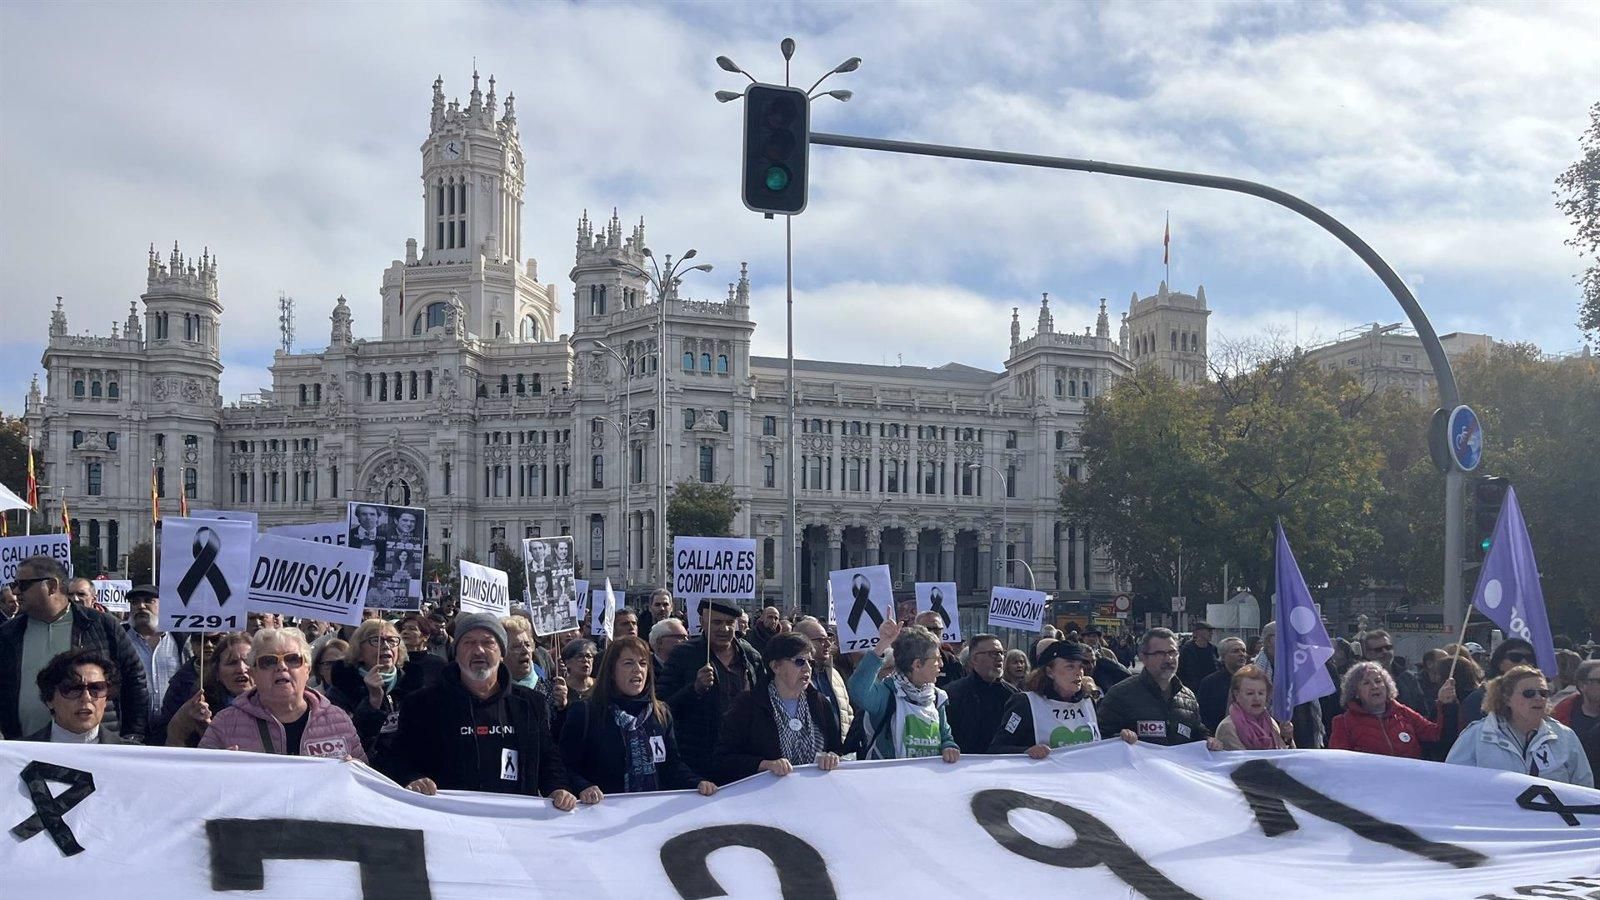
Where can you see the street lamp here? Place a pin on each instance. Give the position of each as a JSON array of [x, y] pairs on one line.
[[1005, 496], [623, 435], [627, 396], [665, 285]]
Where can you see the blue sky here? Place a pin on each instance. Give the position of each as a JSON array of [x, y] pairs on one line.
[[285, 138]]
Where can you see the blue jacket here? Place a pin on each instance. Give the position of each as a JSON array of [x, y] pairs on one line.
[[1554, 752], [875, 698]]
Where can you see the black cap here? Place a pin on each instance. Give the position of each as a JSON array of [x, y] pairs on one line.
[[1201, 626], [144, 590], [1066, 650], [726, 607], [1094, 630]]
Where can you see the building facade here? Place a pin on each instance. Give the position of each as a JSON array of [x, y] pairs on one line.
[[508, 418], [1391, 356]]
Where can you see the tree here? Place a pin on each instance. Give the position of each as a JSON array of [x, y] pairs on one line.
[[701, 510], [14, 454], [86, 562], [509, 560], [1578, 197], [140, 567]]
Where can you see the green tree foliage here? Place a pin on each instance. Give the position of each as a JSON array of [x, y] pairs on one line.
[[1578, 197], [86, 562], [509, 560], [140, 564], [14, 454], [701, 510]]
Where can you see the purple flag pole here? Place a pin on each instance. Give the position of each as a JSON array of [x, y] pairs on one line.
[[1300, 645], [1508, 591]]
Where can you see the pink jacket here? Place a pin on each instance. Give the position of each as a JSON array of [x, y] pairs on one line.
[[329, 731]]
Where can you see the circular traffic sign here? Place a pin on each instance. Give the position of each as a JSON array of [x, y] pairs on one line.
[[1465, 433], [1122, 603]]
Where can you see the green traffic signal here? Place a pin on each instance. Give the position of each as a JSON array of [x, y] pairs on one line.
[[777, 178], [1485, 544]]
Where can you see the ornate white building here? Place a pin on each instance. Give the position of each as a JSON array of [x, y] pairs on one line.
[[474, 404]]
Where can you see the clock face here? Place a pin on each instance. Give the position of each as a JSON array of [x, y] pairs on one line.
[[452, 150]]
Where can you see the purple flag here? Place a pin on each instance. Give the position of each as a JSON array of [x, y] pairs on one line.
[[1300, 671], [1508, 586]]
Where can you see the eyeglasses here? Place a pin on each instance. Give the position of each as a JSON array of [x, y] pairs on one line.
[[1384, 649], [936, 660], [99, 690], [1530, 693], [587, 656], [987, 653], [273, 661], [22, 584], [1517, 656], [1169, 654], [376, 641], [803, 662]]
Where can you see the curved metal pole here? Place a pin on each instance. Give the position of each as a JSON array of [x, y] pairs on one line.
[[1449, 397]]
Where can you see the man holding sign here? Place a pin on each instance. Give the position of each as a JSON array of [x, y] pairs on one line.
[[702, 679]]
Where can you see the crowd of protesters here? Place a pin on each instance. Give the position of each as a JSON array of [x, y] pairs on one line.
[[446, 701]]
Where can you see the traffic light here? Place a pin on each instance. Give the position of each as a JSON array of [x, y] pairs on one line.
[[777, 133], [1489, 494]]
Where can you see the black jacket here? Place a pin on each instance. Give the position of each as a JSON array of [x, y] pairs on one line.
[[749, 734], [1195, 662], [697, 717], [1139, 705], [1212, 695], [593, 751], [952, 672], [1109, 673], [379, 727], [974, 709], [129, 716], [439, 739]]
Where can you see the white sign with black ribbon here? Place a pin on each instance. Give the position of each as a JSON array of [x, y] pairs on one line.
[[940, 597], [297, 577], [205, 573], [484, 590], [861, 597]]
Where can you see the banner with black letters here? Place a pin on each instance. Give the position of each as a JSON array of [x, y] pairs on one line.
[[712, 568], [484, 589], [1098, 820], [205, 573], [297, 577], [336, 532], [112, 594], [1018, 608], [13, 550]]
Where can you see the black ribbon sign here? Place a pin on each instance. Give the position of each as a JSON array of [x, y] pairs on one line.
[[1552, 804], [862, 591], [205, 548], [936, 598], [50, 810]]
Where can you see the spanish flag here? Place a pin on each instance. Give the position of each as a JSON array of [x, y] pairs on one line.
[[155, 497], [66, 517], [33, 481], [183, 504]]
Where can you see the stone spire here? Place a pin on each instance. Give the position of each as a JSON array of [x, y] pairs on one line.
[[510, 118], [1047, 322], [475, 99], [58, 320], [33, 391], [1016, 327], [489, 101], [744, 284], [1200, 294], [1122, 335], [1102, 324], [585, 232], [437, 118], [1161, 292], [342, 333], [132, 328]]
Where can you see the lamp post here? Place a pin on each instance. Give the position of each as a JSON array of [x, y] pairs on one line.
[[1005, 515], [627, 417], [666, 287]]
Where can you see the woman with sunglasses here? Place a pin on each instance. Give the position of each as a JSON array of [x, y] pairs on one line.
[[1508, 654], [280, 714], [186, 709], [1518, 734], [783, 722], [74, 687], [372, 681]]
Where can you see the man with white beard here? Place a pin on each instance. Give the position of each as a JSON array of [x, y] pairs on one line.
[[477, 729], [162, 653]]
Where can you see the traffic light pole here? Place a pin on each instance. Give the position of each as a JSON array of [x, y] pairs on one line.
[[1449, 395]]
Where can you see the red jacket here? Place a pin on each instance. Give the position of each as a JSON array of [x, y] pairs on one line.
[[1563, 710], [1399, 732]]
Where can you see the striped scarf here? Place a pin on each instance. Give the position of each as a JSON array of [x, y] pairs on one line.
[[799, 747]]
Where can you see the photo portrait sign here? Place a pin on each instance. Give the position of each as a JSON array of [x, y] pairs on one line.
[[205, 573], [484, 590], [549, 565], [712, 568], [296, 577], [861, 599], [940, 597], [398, 539], [1017, 608], [13, 550]]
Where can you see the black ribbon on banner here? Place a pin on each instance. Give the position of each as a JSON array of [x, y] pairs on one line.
[[1552, 804], [936, 598], [862, 591], [50, 810], [205, 548]]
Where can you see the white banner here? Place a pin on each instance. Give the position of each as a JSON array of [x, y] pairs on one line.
[[940, 597], [1098, 820], [322, 532], [580, 597], [861, 598], [484, 590], [14, 550], [296, 577], [1017, 608], [112, 594], [205, 573], [712, 568], [232, 515]]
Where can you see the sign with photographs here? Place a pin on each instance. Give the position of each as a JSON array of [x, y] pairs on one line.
[[398, 539], [550, 567]]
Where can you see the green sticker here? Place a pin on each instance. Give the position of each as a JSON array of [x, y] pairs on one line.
[[1063, 736]]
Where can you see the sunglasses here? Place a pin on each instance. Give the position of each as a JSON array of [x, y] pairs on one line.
[[803, 662], [1530, 693], [22, 584], [273, 661], [99, 690], [1384, 649], [1517, 656]]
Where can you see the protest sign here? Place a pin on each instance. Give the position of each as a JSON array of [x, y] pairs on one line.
[[336, 532], [484, 590], [549, 566], [1017, 608], [232, 515], [605, 613], [296, 577], [398, 539], [112, 594], [940, 597], [1097, 820], [205, 573], [712, 568], [580, 598], [862, 598], [14, 550]]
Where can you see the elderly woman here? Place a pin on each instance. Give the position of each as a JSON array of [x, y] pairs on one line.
[[1374, 721], [1057, 709], [418, 634], [905, 715], [280, 714], [577, 658], [1016, 670], [74, 686], [370, 683], [1249, 724], [186, 710], [1517, 734], [619, 740], [783, 722], [322, 660]]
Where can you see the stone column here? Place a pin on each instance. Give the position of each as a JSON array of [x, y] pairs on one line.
[[874, 546], [947, 554], [835, 549]]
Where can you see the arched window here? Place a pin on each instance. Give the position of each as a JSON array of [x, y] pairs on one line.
[[537, 383], [505, 385], [191, 483], [77, 439], [530, 329], [1174, 340], [111, 440], [433, 317], [77, 386], [688, 419], [497, 329], [769, 469], [705, 362], [722, 365], [92, 478], [688, 366], [94, 389], [113, 391]]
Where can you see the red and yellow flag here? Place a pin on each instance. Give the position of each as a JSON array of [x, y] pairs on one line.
[[33, 481], [183, 504], [155, 498], [66, 517]]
